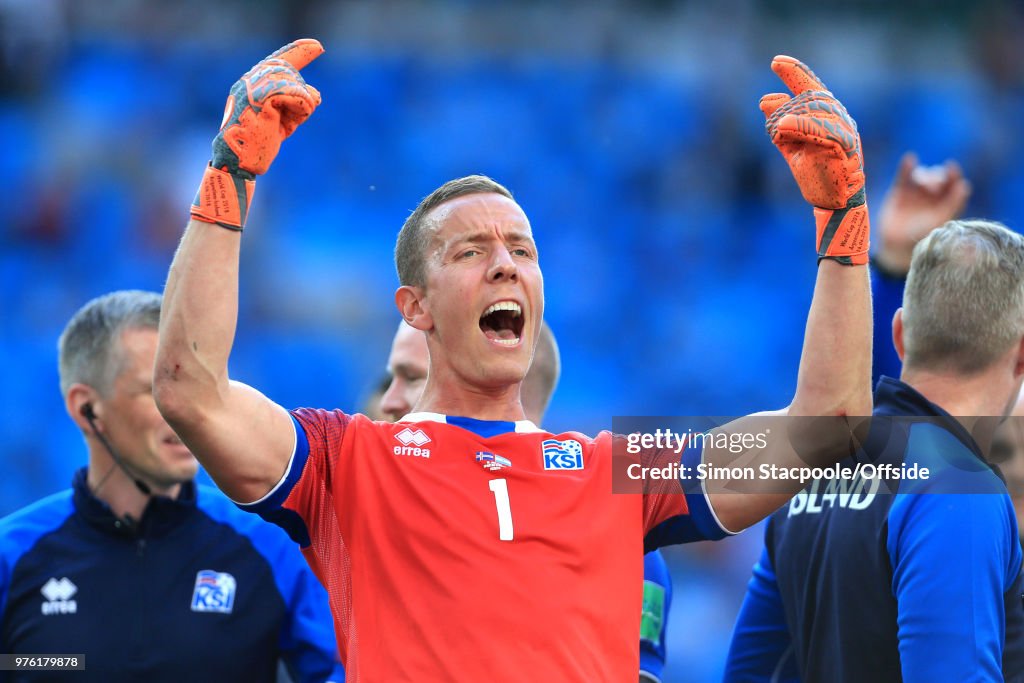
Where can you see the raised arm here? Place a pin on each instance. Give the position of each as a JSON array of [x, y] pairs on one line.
[[243, 439], [919, 200], [821, 144]]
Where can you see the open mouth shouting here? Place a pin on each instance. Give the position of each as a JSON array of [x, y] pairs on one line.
[[502, 323]]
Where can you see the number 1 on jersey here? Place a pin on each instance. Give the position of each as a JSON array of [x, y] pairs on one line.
[[500, 489]]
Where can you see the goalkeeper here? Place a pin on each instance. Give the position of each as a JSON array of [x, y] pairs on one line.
[[467, 544]]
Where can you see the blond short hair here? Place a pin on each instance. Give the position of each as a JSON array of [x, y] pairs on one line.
[[963, 305]]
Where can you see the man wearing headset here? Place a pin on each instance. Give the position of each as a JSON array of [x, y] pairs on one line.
[[137, 570]]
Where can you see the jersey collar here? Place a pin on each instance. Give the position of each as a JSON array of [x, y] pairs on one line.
[[483, 428], [898, 399]]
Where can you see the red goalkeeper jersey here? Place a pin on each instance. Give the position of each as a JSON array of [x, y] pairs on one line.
[[456, 549]]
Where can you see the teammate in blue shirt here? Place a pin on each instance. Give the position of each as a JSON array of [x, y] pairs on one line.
[[855, 584], [147, 575]]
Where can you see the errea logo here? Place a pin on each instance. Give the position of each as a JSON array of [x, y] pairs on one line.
[[58, 594], [412, 441]]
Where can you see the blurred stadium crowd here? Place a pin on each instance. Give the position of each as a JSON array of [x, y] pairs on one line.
[[676, 247]]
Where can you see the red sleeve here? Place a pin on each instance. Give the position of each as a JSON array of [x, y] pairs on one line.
[[301, 501], [676, 508]]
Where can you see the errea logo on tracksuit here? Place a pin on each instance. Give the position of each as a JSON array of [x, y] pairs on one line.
[[58, 594]]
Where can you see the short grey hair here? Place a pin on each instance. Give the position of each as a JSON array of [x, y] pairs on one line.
[[89, 350], [963, 305], [414, 239]]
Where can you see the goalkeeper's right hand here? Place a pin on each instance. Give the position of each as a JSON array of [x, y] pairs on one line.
[[822, 147], [264, 107]]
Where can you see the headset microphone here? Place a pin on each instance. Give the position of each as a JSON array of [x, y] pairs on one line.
[[88, 414]]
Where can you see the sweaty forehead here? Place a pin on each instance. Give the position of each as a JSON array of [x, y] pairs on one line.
[[474, 214]]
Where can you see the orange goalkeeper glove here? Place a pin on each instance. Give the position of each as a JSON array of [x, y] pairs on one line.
[[264, 107], [822, 147]]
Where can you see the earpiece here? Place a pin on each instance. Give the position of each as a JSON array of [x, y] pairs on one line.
[[87, 412]]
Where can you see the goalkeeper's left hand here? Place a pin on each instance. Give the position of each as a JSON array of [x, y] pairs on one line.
[[264, 107], [821, 144]]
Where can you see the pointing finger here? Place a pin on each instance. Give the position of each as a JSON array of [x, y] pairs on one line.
[[796, 75], [299, 53]]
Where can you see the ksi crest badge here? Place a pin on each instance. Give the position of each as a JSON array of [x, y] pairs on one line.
[[214, 592], [562, 455]]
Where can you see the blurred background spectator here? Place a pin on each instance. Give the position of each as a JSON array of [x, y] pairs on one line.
[[629, 132]]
